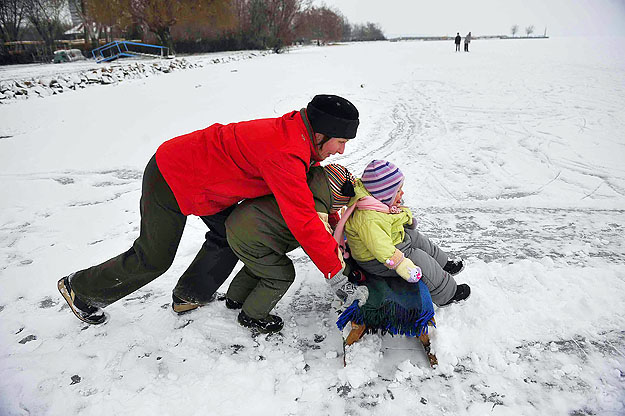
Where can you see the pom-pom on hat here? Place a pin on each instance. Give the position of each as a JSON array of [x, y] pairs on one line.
[[341, 185], [382, 179], [333, 116]]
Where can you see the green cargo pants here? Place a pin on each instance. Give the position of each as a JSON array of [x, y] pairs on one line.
[[162, 224], [264, 279]]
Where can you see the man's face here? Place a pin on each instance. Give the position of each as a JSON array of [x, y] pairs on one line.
[[331, 147]]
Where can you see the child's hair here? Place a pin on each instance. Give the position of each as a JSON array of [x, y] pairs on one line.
[[341, 185], [382, 179]]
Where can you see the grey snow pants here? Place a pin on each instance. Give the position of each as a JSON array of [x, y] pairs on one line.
[[429, 257]]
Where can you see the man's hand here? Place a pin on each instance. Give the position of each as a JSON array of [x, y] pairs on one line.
[[347, 291]]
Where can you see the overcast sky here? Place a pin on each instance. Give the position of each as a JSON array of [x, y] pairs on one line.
[[486, 17]]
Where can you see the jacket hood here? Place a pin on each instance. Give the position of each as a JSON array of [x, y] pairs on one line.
[[361, 192]]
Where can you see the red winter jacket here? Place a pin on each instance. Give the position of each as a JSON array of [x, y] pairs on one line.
[[212, 169]]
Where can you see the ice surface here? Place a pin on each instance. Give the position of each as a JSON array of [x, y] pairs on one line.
[[513, 155]]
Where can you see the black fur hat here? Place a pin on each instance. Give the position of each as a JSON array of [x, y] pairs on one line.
[[333, 116]]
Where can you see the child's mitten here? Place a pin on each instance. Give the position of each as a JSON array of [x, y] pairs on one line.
[[409, 271]]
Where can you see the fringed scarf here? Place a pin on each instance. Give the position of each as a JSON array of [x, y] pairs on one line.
[[394, 306]]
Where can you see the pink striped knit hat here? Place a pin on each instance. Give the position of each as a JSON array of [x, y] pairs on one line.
[[382, 179]]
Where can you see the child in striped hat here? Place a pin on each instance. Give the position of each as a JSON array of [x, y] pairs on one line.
[[384, 241]]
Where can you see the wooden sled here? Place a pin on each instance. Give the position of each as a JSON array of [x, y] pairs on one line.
[[358, 331]]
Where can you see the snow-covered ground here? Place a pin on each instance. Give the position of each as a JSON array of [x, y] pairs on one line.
[[514, 155]]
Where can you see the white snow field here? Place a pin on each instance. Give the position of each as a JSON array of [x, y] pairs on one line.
[[515, 159]]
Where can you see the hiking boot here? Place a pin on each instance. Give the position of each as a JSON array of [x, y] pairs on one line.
[[453, 267], [233, 304], [268, 325], [463, 291], [182, 306], [83, 311]]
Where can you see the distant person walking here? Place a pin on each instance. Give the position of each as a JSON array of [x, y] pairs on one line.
[[457, 40], [467, 40]]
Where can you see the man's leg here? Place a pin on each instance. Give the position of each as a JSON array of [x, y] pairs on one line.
[[212, 264], [152, 253]]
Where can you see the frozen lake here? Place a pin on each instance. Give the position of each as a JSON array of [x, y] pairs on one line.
[[514, 159]]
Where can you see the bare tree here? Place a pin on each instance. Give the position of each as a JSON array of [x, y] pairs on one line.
[[158, 17], [332, 25], [254, 23], [11, 16], [99, 17], [281, 15], [268, 23], [514, 29], [529, 30], [368, 31], [47, 18], [347, 30], [320, 23]]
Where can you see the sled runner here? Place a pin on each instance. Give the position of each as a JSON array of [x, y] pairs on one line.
[[358, 331]]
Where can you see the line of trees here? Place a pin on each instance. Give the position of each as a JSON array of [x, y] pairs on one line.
[[528, 30], [184, 26]]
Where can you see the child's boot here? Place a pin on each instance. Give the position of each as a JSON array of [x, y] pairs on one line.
[[453, 267], [268, 325], [463, 291], [233, 304]]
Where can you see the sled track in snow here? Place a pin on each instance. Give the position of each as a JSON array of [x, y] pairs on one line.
[[406, 132]]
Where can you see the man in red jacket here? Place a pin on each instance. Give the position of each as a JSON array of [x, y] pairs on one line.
[[207, 173]]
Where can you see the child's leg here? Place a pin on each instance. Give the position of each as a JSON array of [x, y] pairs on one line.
[[270, 288], [441, 284], [273, 272], [377, 268], [422, 242], [242, 285]]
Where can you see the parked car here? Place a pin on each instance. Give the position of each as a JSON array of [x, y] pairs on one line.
[[68, 55]]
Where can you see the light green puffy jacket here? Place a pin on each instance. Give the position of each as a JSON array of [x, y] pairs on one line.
[[372, 234]]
